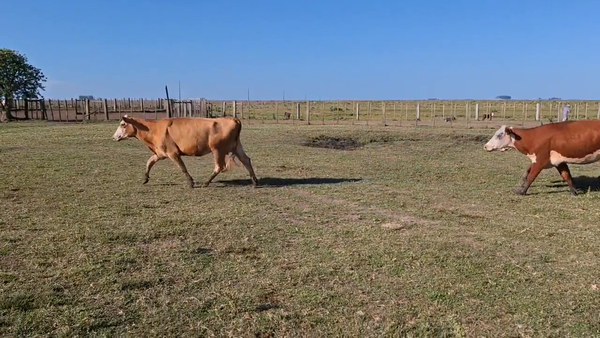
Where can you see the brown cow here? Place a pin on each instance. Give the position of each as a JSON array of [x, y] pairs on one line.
[[176, 137], [551, 145]]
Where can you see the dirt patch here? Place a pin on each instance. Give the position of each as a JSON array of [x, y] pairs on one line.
[[331, 142]]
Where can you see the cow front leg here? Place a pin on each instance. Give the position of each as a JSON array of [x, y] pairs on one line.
[[177, 159], [151, 161], [565, 173], [532, 173], [524, 180]]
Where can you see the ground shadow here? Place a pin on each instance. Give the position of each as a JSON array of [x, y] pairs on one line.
[[581, 183], [284, 182]]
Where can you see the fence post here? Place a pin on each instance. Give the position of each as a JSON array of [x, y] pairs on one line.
[[307, 112], [418, 111], [383, 113], [297, 110], [276, 111], [234, 109], [537, 111], [26, 106], [105, 107], [477, 111], [224, 108], [51, 111], [358, 110], [558, 112], [87, 109]]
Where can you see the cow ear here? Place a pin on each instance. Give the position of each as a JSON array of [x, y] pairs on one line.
[[511, 132], [127, 119]]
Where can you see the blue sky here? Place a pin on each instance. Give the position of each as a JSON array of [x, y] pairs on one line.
[[349, 49]]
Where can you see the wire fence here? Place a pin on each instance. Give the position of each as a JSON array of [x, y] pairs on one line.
[[430, 112]]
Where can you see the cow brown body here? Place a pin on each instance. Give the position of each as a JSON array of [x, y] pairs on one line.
[[176, 137], [551, 145]]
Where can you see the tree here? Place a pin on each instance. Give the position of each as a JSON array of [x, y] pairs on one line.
[[18, 80]]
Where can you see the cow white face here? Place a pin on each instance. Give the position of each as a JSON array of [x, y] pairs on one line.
[[125, 130], [501, 140]]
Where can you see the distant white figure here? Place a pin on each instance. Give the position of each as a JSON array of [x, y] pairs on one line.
[[566, 111]]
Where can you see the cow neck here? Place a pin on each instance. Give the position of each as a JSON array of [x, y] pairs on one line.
[[519, 144], [140, 134]]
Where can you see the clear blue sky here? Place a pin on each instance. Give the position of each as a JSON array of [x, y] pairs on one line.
[[322, 49]]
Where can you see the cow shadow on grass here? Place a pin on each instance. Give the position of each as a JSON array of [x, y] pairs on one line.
[[583, 184], [276, 182]]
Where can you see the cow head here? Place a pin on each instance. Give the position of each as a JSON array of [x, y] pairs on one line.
[[125, 130], [503, 138]]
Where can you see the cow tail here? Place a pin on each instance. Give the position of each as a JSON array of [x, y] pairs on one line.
[[232, 159]]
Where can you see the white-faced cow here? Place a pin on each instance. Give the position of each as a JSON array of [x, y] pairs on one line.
[[175, 137], [551, 145]]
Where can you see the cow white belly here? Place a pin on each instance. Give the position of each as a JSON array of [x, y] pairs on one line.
[[556, 158]]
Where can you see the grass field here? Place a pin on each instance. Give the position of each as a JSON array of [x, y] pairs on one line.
[[418, 233]]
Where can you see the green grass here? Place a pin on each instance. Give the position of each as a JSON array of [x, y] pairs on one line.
[[420, 235]]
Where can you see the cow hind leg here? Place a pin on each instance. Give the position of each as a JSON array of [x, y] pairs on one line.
[[179, 162], [563, 170], [151, 162], [241, 155], [219, 166]]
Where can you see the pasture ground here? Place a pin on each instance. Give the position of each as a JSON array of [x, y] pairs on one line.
[[418, 233]]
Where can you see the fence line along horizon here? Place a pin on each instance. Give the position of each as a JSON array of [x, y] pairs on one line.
[[310, 111]]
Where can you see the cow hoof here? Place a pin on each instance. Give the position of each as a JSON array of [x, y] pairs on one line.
[[573, 193], [520, 192], [205, 185], [191, 184], [145, 180]]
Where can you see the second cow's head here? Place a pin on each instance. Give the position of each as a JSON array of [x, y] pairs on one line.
[[503, 138]]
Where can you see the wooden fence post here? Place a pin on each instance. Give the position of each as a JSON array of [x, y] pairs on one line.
[[537, 111], [105, 107], [477, 111], [297, 110], [87, 109], [26, 106], [224, 108], [51, 111], [307, 112], [418, 112], [358, 111], [384, 117], [234, 109]]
